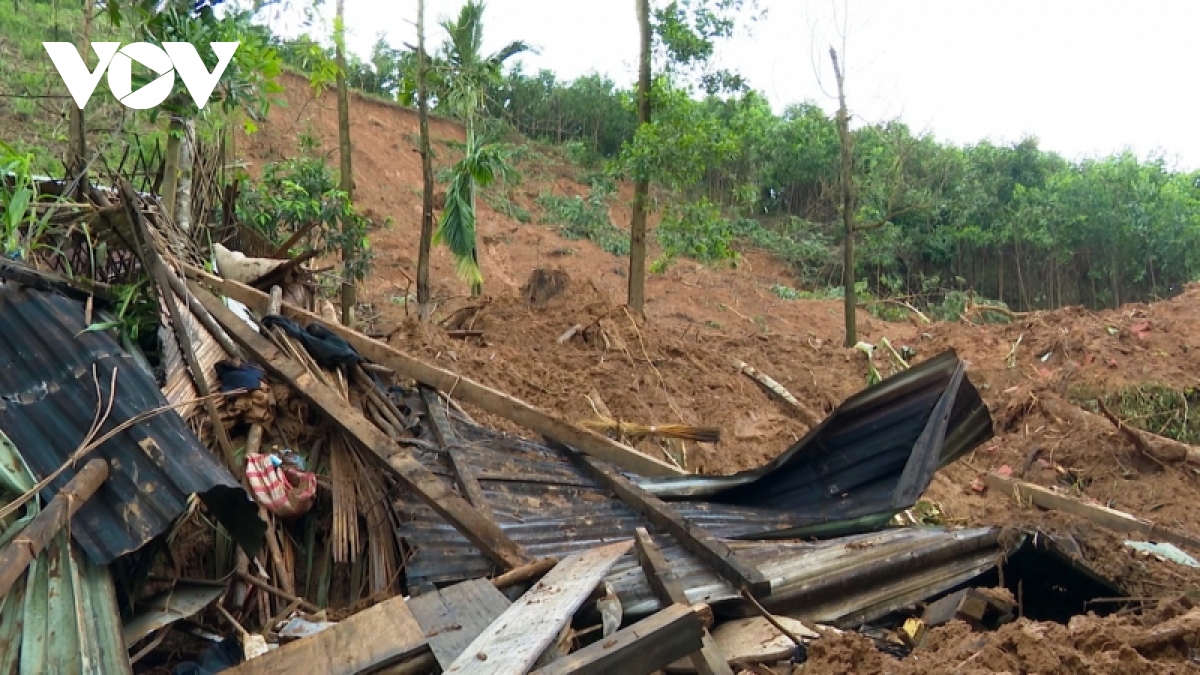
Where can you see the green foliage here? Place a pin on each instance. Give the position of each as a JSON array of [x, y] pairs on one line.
[[482, 165], [19, 229], [1160, 410], [580, 218], [502, 203], [696, 230], [136, 314], [296, 192]]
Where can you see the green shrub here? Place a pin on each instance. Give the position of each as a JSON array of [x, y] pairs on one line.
[[579, 218], [696, 230]]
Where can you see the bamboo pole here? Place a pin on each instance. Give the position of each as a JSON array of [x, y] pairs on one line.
[[26, 546]]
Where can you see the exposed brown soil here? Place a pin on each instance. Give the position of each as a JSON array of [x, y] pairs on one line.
[[674, 367]]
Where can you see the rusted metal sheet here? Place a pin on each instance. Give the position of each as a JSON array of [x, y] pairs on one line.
[[54, 377]]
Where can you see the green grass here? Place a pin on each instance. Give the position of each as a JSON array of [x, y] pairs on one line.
[[34, 101]]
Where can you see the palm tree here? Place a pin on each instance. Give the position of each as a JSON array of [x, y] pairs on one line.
[[464, 79]]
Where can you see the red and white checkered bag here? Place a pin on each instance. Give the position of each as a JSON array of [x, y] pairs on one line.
[[288, 492]]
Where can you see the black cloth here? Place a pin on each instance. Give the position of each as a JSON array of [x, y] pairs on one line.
[[222, 656], [326, 348], [233, 376]]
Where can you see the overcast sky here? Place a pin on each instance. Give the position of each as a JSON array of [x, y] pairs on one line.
[[1087, 77]]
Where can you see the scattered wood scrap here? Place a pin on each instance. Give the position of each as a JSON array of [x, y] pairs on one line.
[[774, 387], [644, 647], [464, 389], [969, 605], [752, 641], [477, 527], [667, 587], [381, 635], [1117, 521], [454, 616], [514, 641]]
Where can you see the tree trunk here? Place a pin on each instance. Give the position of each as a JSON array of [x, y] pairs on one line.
[[641, 187], [347, 186], [183, 193], [171, 161], [424, 299], [850, 302], [77, 139]]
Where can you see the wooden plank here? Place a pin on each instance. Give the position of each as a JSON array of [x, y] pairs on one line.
[[708, 548], [464, 389], [514, 641], [443, 430], [669, 590], [644, 647], [428, 486], [453, 617], [379, 636], [1117, 521]]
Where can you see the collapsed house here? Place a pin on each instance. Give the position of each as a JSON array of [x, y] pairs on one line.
[[335, 477]]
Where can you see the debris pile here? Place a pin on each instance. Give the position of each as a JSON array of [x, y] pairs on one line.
[[283, 493]]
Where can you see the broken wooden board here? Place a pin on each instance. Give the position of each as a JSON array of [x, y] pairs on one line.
[[752, 641], [475, 526], [643, 647], [454, 616], [666, 586], [512, 644], [464, 389], [969, 605], [1117, 521], [378, 636], [709, 549]]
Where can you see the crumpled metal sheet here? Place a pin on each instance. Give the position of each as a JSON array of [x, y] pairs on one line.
[[869, 459], [53, 378], [61, 616]]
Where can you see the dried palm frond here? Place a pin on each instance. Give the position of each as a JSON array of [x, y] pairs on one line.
[[636, 431]]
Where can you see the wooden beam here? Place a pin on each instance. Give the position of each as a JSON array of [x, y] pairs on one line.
[[454, 616], [29, 542], [432, 490], [1117, 521], [461, 388], [709, 549], [379, 636], [513, 642], [443, 431], [644, 647], [669, 590]]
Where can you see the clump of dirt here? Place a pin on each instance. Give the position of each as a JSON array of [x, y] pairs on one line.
[[543, 285], [1088, 644], [846, 652]]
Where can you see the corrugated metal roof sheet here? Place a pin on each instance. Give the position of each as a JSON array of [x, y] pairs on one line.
[[48, 400], [548, 505]]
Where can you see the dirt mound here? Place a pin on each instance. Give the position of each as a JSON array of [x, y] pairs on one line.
[[644, 372]]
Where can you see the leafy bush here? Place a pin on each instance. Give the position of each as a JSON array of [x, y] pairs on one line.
[[298, 192], [802, 245], [579, 218], [501, 203], [696, 230]]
